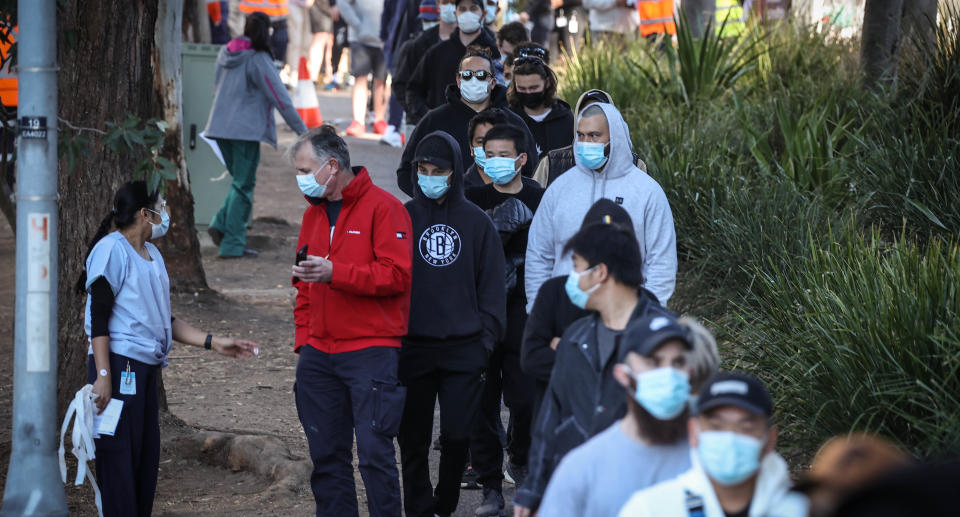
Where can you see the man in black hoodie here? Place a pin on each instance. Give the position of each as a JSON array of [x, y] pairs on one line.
[[510, 200], [413, 50], [475, 90], [437, 69], [458, 315]]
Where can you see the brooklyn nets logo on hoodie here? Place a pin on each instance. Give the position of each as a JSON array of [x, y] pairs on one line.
[[440, 245]]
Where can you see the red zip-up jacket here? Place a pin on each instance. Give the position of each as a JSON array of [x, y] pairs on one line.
[[367, 303]]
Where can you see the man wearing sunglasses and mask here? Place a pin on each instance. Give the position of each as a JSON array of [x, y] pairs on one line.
[[475, 90]]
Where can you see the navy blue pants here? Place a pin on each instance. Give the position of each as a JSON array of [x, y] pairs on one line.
[[127, 462], [337, 395]]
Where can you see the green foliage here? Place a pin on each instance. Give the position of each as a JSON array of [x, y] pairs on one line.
[[863, 334], [763, 145]]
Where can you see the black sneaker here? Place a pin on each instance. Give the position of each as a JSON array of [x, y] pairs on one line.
[[469, 479], [492, 505], [215, 235], [514, 474]]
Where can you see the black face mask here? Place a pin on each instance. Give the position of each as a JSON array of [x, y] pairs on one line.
[[531, 100]]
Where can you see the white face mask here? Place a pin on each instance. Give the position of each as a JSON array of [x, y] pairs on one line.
[[469, 22], [474, 90], [429, 25], [448, 13]]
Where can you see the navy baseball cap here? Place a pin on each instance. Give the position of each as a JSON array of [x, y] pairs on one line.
[[645, 335], [735, 389]]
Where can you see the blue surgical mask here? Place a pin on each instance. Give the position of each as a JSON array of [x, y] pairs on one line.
[[490, 15], [159, 230], [578, 296], [501, 169], [663, 392], [591, 154], [448, 13], [310, 186], [729, 458], [434, 187], [480, 157]]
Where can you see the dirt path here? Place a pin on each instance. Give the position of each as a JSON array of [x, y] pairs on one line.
[[250, 298]]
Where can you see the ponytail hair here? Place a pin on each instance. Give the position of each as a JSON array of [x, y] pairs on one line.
[[257, 29], [132, 197]]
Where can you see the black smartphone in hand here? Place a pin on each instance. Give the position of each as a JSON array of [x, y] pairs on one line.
[[301, 255]]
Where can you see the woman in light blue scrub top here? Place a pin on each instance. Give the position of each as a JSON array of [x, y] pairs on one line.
[[131, 329]]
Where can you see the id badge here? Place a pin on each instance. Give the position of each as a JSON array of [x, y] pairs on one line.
[[128, 383]]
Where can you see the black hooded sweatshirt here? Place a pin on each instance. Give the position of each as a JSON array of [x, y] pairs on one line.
[[408, 57], [453, 118], [458, 294], [438, 69], [555, 131]]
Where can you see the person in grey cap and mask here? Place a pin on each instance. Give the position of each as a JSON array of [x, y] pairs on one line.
[[658, 366], [735, 471]]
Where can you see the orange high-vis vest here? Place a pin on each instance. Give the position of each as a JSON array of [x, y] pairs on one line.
[[656, 17], [8, 80], [271, 8]]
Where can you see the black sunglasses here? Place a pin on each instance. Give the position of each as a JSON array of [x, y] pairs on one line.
[[533, 52], [482, 75], [529, 60]]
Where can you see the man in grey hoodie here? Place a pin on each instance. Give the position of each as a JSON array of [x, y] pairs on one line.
[[366, 58], [604, 168]]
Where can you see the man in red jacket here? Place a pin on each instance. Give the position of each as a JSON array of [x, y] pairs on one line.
[[353, 306]]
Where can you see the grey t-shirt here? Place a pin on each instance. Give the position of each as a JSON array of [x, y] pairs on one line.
[[597, 478], [607, 341]]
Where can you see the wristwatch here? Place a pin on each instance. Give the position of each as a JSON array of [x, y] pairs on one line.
[[208, 342], [104, 372]]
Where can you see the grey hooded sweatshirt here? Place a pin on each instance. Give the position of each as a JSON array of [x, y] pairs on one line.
[[363, 17], [567, 200], [246, 90]]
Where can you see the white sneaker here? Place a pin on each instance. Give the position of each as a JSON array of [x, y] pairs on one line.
[[392, 138]]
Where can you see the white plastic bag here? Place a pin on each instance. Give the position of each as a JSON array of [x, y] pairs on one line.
[[83, 408]]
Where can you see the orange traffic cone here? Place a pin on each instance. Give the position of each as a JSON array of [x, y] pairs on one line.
[[305, 98]]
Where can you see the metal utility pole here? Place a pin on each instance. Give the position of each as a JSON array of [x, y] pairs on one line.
[[33, 479]]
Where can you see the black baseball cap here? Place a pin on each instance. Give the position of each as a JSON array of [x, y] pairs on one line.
[[740, 390], [435, 150], [645, 335]]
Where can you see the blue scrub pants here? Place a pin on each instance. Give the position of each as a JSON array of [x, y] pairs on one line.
[[127, 462], [338, 395]]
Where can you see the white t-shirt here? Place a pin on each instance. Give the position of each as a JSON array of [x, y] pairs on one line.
[[541, 117]]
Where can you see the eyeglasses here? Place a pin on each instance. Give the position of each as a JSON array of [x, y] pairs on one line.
[[163, 208], [482, 75]]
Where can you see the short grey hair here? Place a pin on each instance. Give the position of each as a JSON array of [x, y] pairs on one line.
[[705, 357], [326, 144], [592, 111]]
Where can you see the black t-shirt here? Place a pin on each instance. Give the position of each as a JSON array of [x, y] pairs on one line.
[[333, 211], [487, 197]]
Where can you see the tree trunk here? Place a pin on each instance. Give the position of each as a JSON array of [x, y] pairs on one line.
[[880, 40], [699, 13], [919, 24], [108, 71]]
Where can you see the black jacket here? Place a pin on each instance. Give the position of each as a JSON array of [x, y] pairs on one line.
[[561, 160], [458, 295], [555, 131], [407, 59], [582, 399], [438, 69], [453, 118]]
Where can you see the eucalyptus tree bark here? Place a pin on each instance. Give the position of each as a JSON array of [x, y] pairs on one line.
[[919, 24], [880, 40], [109, 70]]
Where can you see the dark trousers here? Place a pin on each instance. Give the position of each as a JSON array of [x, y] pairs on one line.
[[337, 395], [339, 43], [429, 378], [506, 379], [127, 462]]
